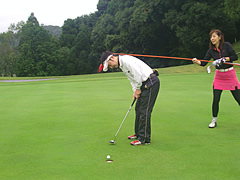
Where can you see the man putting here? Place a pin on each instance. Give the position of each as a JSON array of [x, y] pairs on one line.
[[145, 85]]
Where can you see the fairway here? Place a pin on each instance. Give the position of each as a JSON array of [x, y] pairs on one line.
[[61, 128]]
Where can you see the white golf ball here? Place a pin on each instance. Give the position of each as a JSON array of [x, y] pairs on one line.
[[108, 156]]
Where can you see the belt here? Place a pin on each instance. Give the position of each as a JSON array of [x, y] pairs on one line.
[[150, 81], [225, 70], [149, 77]]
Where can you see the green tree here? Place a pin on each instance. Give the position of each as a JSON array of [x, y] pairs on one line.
[[193, 22], [122, 40], [36, 50], [69, 33], [80, 52], [6, 55], [8, 49], [76, 36], [159, 27], [103, 27], [63, 66], [232, 9], [102, 6]]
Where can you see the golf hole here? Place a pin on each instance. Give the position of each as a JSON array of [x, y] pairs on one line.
[[109, 161]]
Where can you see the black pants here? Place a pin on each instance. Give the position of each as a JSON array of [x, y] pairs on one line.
[[143, 110], [216, 99]]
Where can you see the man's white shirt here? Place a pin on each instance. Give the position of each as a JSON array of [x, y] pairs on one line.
[[135, 69]]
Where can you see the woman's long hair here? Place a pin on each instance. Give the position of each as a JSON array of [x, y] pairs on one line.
[[219, 33]]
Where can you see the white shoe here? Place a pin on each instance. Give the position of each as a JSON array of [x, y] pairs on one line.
[[213, 124]]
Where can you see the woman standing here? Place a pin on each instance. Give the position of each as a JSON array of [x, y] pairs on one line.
[[225, 76]]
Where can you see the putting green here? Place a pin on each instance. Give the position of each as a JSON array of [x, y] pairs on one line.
[[61, 128]]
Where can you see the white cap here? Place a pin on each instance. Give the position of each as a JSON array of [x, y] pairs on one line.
[[105, 63]]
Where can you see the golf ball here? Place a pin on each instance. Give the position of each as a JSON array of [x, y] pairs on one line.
[[108, 156]]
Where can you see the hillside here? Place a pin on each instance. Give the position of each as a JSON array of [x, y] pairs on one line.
[[54, 30]]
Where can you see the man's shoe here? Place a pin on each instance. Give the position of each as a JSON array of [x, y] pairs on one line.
[[136, 143], [213, 124], [132, 137]]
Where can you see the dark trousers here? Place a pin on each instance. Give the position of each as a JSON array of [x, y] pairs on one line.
[[216, 99], [143, 109]]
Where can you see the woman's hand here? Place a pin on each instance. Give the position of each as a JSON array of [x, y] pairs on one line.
[[196, 61], [227, 58]]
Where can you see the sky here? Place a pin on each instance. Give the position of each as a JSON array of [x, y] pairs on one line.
[[47, 12]]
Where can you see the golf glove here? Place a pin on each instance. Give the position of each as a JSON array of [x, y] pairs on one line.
[[219, 62], [216, 62], [223, 60]]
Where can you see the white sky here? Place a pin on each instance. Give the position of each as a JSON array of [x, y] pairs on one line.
[[47, 12]]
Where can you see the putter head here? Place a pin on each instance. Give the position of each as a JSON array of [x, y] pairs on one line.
[[208, 70], [112, 142]]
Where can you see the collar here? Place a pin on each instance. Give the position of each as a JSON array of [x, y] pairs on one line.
[[120, 62], [216, 49]]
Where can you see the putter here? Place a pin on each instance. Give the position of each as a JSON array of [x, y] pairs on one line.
[[113, 141]]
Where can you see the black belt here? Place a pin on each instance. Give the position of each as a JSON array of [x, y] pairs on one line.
[[150, 81]]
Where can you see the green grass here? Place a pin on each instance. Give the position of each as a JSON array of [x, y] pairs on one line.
[[60, 129]]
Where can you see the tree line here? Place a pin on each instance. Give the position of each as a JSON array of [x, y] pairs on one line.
[[156, 27]]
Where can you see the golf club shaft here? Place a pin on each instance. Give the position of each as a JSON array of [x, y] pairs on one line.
[[124, 118], [179, 58]]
